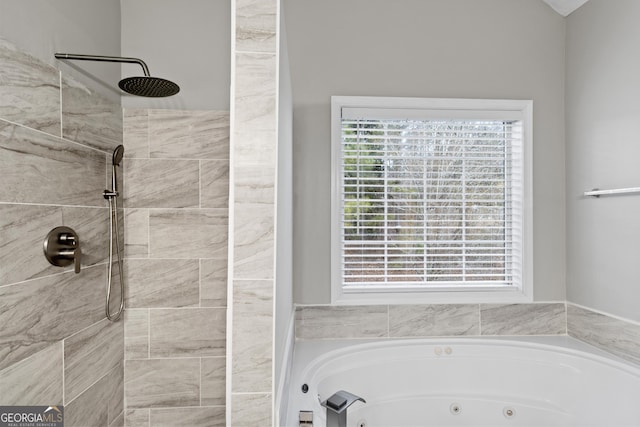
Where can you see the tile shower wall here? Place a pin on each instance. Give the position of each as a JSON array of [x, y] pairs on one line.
[[254, 148], [176, 208], [56, 347]]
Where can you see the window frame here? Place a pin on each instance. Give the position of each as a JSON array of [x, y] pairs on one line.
[[440, 294]]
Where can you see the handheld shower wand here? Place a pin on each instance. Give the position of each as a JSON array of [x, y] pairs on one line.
[[112, 197]]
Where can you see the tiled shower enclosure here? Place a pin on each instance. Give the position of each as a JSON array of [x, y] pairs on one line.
[[56, 346], [167, 358]]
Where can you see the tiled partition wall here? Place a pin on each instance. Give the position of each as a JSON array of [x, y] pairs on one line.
[[616, 336], [176, 208], [254, 148], [56, 346]]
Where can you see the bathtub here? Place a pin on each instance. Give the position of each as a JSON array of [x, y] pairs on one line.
[[536, 381]]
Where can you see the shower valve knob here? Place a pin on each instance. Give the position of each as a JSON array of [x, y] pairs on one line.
[[62, 248], [75, 255]]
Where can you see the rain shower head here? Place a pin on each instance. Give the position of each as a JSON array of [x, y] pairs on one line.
[[154, 87], [140, 86]]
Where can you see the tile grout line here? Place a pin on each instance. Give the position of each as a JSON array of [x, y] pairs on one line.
[[64, 396], [148, 334], [60, 101]]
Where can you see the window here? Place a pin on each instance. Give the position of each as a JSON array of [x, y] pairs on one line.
[[431, 200]]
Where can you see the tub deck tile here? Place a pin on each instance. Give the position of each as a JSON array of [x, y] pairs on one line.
[[433, 320], [613, 335], [523, 319]]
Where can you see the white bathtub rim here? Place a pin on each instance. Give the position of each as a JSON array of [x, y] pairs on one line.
[[320, 353]]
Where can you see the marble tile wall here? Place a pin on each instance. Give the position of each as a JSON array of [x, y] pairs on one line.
[[56, 347], [419, 321], [611, 334], [617, 336], [176, 208], [254, 147]]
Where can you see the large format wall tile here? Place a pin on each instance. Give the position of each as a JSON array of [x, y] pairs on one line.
[[256, 95], [523, 319], [162, 183], [146, 383], [101, 404], [255, 184], [256, 21], [89, 118], [119, 421], [162, 283], [251, 409], [38, 313], [22, 232], [189, 134], [254, 148], [29, 90], [137, 417], [136, 334], [92, 227], [91, 354], [252, 335], [192, 417], [194, 332], [37, 168], [433, 320], [213, 374], [136, 133], [36, 380], [115, 401], [254, 243], [188, 233], [136, 231], [213, 282], [610, 334], [325, 322], [214, 184]]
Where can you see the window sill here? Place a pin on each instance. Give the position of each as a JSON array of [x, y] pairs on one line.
[[432, 296]]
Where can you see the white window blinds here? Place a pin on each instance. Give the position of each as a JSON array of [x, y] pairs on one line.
[[430, 199]]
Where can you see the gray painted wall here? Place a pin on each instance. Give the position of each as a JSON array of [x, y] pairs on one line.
[[424, 48], [43, 27], [603, 235], [188, 42], [190, 45]]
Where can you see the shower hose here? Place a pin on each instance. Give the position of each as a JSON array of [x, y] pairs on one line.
[[113, 220]]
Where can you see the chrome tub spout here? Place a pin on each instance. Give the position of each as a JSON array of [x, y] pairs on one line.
[[337, 406]]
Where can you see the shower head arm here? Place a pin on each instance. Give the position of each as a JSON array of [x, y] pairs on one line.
[[99, 58]]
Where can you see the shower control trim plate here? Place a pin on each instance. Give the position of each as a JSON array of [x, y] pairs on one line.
[[62, 248]]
